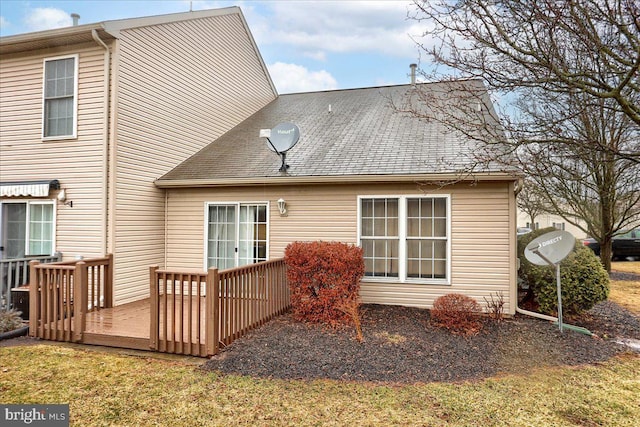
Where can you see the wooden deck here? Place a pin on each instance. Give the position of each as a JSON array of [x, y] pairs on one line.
[[128, 325], [192, 313], [125, 326]]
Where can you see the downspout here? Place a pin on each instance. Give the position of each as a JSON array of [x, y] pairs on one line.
[[105, 136], [517, 190], [166, 225]]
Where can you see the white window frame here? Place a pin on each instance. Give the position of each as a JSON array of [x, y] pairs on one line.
[[402, 235], [29, 203], [237, 205], [74, 127]]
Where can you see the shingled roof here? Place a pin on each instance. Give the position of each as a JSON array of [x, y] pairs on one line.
[[343, 133]]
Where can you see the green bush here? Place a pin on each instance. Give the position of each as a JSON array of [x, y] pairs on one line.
[[584, 280]]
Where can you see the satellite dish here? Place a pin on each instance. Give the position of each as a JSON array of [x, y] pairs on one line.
[[550, 248], [283, 137]]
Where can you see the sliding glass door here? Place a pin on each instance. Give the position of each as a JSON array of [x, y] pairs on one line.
[[26, 228], [236, 234]]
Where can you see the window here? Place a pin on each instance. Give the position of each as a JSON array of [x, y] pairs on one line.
[[236, 234], [60, 97], [558, 225], [379, 236], [27, 229], [406, 237]]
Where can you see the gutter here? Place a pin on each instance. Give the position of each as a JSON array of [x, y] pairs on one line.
[[321, 179], [105, 136]]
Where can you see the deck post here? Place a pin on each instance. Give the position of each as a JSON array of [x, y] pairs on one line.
[[154, 324], [80, 292], [108, 282], [212, 312], [34, 300]]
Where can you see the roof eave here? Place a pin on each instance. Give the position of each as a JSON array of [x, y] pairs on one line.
[[51, 38], [107, 29], [333, 179]]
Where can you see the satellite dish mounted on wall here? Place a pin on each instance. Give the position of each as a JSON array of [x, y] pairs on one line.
[[550, 249], [281, 139]]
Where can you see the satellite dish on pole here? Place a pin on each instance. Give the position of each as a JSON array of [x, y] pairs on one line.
[[550, 249], [281, 139]]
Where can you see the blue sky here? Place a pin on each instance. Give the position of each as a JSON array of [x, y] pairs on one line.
[[307, 45]]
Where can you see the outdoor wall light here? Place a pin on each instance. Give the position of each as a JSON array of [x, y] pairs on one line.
[[62, 197], [282, 207]]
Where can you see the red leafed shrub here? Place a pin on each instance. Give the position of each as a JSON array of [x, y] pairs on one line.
[[458, 313], [323, 277]]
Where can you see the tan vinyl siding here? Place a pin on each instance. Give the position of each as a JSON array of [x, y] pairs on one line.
[[181, 85], [76, 163], [482, 253]]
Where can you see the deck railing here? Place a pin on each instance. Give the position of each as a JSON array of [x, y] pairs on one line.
[[60, 295], [196, 313], [179, 310], [14, 272], [250, 296]]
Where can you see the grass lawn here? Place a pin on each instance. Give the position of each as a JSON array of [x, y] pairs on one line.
[[104, 388], [109, 388], [626, 293]]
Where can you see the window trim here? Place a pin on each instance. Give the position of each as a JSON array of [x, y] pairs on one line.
[[74, 126], [28, 221], [402, 236], [237, 205]]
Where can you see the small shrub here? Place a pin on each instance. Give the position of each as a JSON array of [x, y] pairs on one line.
[[323, 277], [458, 313], [10, 320], [495, 306], [584, 280]]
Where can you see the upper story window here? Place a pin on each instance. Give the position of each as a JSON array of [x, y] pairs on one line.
[[406, 238], [59, 116]]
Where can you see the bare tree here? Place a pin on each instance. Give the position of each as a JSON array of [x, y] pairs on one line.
[[595, 190], [569, 74], [569, 46], [530, 202]]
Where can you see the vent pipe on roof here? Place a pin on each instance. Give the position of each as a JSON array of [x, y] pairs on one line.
[[413, 73], [75, 18]]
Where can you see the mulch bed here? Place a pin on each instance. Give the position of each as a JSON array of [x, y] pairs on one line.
[[401, 346]]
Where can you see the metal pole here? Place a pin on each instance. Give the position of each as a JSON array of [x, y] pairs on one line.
[[559, 296], [548, 261]]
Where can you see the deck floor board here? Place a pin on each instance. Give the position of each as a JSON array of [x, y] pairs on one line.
[[127, 320]]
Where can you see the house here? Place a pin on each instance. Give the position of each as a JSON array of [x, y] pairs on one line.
[[141, 138], [91, 115], [545, 220], [362, 173]]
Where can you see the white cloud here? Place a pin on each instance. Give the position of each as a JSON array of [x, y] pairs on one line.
[[46, 18], [290, 78], [331, 26], [4, 24]]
